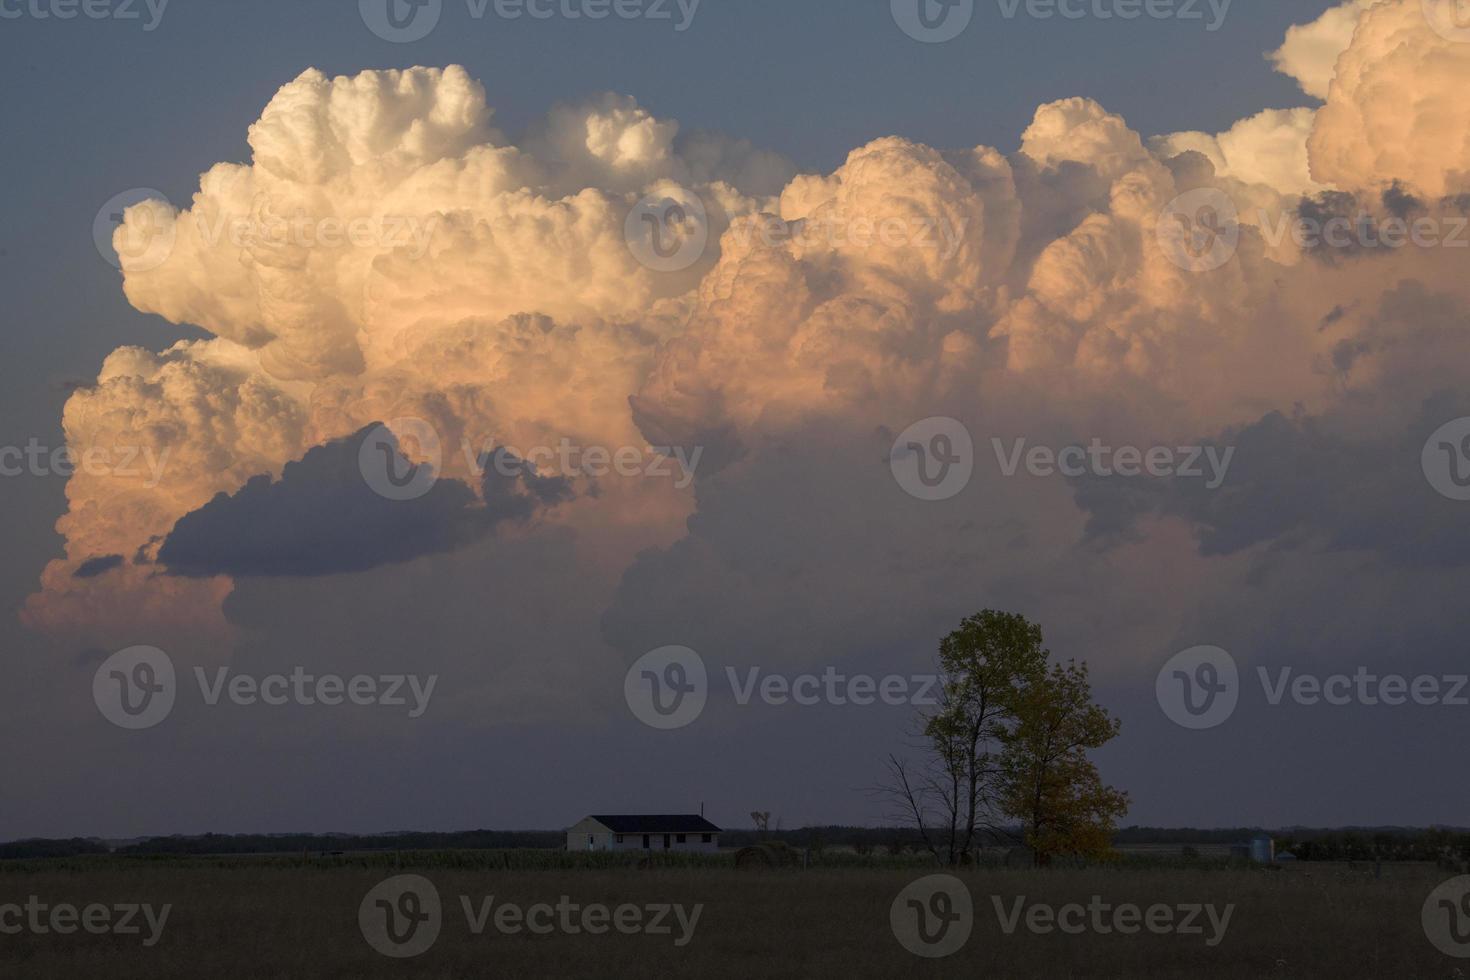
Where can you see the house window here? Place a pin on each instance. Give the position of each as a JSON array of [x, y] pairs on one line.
[[645, 842], [680, 838], [620, 838], [591, 840], [706, 838]]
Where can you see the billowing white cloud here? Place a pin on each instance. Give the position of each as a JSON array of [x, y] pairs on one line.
[[1269, 148], [489, 288], [1397, 110], [1311, 50]]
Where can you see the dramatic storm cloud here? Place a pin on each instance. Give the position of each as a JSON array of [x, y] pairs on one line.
[[1042, 295]]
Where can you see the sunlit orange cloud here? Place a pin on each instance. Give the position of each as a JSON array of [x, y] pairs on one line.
[[387, 255]]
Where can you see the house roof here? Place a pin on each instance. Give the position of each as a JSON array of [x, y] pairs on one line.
[[662, 823]]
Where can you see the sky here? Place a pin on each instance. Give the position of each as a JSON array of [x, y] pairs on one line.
[[1019, 249]]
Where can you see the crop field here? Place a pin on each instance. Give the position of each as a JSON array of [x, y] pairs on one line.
[[515, 914]]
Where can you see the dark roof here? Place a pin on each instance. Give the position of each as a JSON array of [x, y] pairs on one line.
[[663, 823]]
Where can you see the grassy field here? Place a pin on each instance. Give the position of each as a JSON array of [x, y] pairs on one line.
[[293, 917]]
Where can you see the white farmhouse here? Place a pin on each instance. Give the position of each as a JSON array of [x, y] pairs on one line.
[[643, 832]]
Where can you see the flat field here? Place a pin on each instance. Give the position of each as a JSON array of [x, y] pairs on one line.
[[297, 918]]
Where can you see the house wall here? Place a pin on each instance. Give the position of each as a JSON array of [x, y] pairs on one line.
[[692, 843], [589, 835]]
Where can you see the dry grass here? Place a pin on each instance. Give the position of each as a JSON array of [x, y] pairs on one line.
[[263, 921]]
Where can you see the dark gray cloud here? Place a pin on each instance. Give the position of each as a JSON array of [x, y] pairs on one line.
[[322, 518], [1303, 482], [93, 567]]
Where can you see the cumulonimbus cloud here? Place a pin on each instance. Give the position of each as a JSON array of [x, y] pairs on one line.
[[489, 288]]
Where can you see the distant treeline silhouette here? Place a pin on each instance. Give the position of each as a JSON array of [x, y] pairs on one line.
[[1308, 844], [289, 843], [1322, 844]]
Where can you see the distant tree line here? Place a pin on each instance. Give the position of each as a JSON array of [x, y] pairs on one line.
[[1383, 845], [292, 843], [1308, 844], [1322, 844], [36, 848]]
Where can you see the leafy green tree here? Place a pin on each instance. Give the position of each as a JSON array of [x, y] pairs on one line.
[[952, 794], [1047, 781]]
